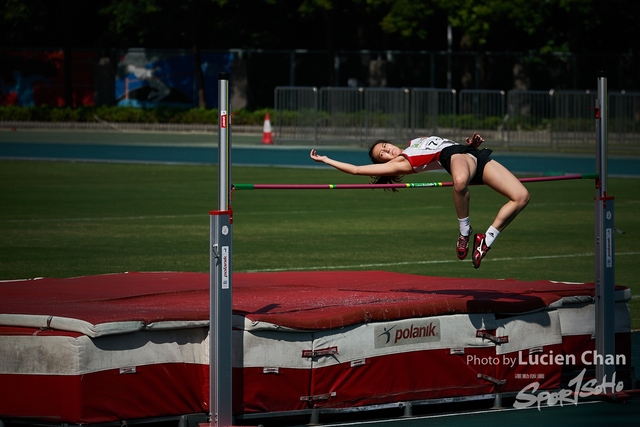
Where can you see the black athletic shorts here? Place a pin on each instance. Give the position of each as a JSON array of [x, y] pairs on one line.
[[483, 157]]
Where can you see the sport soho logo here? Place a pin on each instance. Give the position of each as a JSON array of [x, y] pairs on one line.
[[410, 332]]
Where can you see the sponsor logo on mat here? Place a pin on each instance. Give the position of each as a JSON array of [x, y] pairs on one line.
[[410, 332]]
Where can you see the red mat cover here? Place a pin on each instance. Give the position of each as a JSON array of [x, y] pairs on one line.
[[298, 300], [135, 345]]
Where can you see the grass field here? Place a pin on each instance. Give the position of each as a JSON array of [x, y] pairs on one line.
[[62, 219]]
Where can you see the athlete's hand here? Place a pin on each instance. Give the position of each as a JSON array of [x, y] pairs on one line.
[[475, 140], [316, 157]]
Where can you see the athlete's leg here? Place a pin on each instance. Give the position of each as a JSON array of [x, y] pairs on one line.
[[504, 182], [463, 168]]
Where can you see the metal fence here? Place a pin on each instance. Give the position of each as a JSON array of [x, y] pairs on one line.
[[387, 113], [433, 112], [482, 111], [342, 114], [558, 121], [296, 114]]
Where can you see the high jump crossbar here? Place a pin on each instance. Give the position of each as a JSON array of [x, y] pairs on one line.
[[393, 186]]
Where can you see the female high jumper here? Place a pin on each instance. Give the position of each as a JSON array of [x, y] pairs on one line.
[[466, 164]]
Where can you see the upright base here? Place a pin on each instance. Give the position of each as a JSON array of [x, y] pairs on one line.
[[220, 342], [605, 289]]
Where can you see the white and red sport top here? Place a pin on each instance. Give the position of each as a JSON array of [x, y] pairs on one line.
[[423, 153]]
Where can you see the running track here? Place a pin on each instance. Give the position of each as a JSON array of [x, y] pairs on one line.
[[202, 149]]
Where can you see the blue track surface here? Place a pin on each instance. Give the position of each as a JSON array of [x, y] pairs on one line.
[[257, 155]]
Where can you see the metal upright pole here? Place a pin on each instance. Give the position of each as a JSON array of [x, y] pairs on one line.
[[604, 246], [220, 339]]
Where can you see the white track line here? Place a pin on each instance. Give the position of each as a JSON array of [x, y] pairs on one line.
[[116, 218], [447, 261], [205, 215]]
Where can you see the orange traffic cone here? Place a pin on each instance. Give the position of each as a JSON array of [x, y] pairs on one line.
[[267, 137]]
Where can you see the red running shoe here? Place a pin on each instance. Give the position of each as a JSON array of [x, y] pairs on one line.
[[462, 248], [480, 249]]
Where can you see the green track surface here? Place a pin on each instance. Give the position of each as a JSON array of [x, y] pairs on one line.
[[62, 219]]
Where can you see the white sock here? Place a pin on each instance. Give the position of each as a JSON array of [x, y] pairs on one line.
[[491, 235], [465, 226]]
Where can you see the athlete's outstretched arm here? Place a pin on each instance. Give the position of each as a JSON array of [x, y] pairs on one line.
[[397, 166]]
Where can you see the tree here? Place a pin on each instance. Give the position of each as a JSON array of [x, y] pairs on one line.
[[538, 27], [42, 23]]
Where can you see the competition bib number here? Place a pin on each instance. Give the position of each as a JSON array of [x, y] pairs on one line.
[[431, 143]]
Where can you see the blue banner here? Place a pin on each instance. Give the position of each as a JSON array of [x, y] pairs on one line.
[[148, 78]]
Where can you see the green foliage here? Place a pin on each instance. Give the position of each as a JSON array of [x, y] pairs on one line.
[[493, 25], [407, 18], [470, 121], [256, 117], [175, 23], [11, 113]]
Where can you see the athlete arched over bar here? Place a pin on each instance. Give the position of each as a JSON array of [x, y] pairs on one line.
[[466, 164]]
